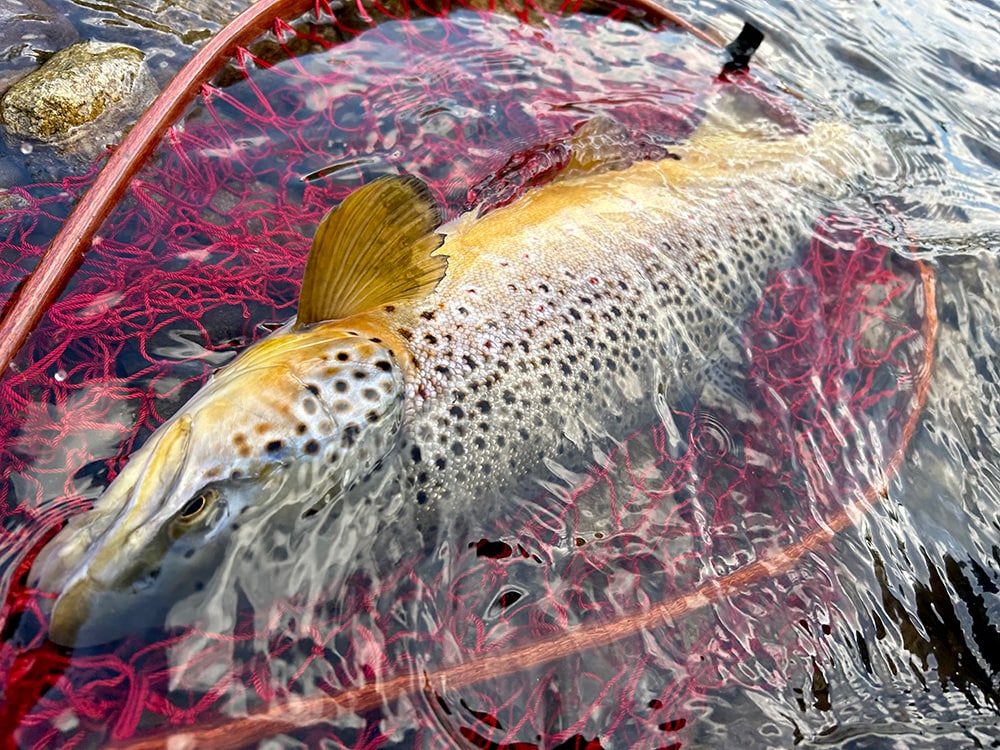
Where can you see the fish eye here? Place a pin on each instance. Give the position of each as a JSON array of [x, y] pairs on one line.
[[197, 505]]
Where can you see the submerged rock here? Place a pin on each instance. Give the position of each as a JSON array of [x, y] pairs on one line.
[[81, 99], [29, 30]]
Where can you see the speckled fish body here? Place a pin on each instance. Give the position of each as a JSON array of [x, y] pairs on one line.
[[562, 314], [530, 332]]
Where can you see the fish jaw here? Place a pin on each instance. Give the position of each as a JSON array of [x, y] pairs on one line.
[[296, 417]]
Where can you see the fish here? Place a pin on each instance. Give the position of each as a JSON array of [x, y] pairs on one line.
[[457, 357]]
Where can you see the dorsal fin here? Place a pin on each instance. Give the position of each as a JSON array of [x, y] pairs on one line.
[[373, 249]]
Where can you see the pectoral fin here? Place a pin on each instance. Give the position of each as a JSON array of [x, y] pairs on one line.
[[375, 248]]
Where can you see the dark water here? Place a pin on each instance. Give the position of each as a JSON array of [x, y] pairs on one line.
[[912, 657], [922, 576]]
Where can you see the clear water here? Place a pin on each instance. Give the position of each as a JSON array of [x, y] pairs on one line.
[[928, 76], [922, 576], [913, 655]]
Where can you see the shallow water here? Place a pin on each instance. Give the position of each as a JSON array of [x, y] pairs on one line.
[[922, 576], [902, 622]]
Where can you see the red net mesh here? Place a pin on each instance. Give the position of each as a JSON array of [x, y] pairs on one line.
[[565, 625]]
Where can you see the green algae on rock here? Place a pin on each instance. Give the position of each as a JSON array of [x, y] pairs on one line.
[[80, 98]]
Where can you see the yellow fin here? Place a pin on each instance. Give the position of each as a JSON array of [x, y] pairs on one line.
[[373, 249], [740, 136], [601, 144]]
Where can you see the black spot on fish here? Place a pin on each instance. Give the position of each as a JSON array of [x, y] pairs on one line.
[[274, 446], [406, 333], [484, 406], [383, 365], [430, 338], [415, 454], [311, 447], [421, 497], [370, 393], [457, 412], [301, 428], [372, 416], [359, 374], [313, 389], [351, 433], [457, 448], [492, 550], [343, 356], [440, 462]]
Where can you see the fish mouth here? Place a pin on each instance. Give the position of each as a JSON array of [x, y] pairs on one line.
[[72, 625], [94, 603], [98, 605]]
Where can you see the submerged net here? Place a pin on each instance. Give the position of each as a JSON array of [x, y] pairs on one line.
[[586, 618]]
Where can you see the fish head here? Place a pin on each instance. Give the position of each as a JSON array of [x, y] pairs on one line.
[[289, 424]]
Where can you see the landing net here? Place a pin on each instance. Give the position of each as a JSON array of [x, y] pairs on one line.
[[707, 566]]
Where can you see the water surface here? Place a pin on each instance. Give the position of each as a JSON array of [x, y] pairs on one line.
[[887, 637]]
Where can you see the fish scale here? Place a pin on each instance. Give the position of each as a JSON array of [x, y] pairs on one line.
[[453, 363], [581, 343]]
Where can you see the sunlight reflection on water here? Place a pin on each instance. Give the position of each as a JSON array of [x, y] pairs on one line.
[[911, 640]]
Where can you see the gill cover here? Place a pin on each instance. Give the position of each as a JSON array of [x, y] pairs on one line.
[[309, 408]]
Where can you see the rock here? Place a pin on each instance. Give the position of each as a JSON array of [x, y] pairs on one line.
[[29, 30], [81, 99]]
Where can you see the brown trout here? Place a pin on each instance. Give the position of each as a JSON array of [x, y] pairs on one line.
[[462, 356]]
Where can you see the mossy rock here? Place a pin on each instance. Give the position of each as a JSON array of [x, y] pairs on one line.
[[73, 88]]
